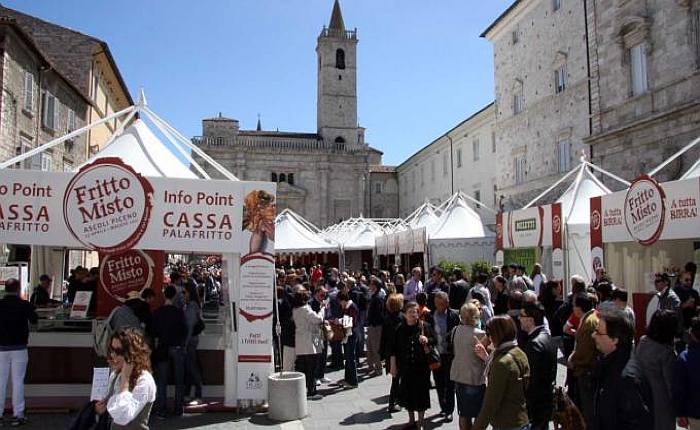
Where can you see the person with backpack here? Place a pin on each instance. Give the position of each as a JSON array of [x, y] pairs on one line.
[[375, 322]]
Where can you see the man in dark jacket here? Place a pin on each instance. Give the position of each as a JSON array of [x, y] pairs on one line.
[[541, 353], [359, 294], [375, 321], [42, 293], [284, 308], [170, 333], [15, 316], [458, 290], [443, 321], [686, 380], [437, 283], [622, 398]]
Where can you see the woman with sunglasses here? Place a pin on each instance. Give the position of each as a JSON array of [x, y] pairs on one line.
[[132, 390]]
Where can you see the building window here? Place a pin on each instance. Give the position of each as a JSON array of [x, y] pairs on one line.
[[475, 149], [515, 36], [560, 79], [283, 177], [413, 180], [422, 175], [696, 21], [273, 177], [28, 91], [495, 196], [290, 178], [67, 166], [219, 140], [519, 170], [477, 197], [339, 59], [556, 5], [46, 162], [377, 188], [459, 157], [638, 63], [564, 155], [493, 142], [517, 103], [71, 124], [50, 111], [25, 145], [432, 169], [445, 163]]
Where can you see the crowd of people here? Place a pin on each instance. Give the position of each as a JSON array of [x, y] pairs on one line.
[[489, 344], [146, 351]]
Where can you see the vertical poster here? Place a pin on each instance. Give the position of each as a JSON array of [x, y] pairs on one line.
[[256, 292], [126, 274]]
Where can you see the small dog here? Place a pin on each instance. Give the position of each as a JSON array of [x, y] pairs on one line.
[[566, 415]]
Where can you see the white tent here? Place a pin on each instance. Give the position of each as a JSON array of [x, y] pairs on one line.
[[459, 234], [138, 147], [295, 235], [424, 216]]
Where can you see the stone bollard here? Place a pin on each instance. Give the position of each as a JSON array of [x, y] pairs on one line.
[[287, 396]]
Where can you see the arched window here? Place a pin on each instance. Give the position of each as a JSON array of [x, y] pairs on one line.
[[283, 177], [290, 178], [339, 59], [273, 177], [339, 140]]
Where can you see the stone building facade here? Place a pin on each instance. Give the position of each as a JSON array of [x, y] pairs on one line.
[[383, 192], [645, 84], [324, 176], [541, 95], [462, 159], [88, 64]]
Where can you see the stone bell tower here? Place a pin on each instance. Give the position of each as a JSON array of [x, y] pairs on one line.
[[336, 103]]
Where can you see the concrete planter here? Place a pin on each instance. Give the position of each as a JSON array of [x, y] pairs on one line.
[[287, 396]]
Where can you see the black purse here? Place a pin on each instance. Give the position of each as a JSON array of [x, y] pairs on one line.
[[431, 352]]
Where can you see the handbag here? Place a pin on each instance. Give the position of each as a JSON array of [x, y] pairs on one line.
[[431, 352], [566, 416]]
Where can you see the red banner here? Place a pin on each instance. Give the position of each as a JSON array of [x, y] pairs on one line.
[[125, 272], [556, 226], [596, 223], [499, 230]]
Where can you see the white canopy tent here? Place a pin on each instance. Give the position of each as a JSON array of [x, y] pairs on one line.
[[575, 210], [459, 233], [295, 235], [425, 215], [138, 147]]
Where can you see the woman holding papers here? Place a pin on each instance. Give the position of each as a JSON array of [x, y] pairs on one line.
[[132, 390]]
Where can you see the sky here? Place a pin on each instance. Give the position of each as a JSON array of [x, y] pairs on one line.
[[422, 67]]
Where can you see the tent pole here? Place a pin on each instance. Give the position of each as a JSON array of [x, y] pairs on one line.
[[553, 186], [597, 181], [674, 156], [62, 139], [577, 186], [179, 147], [692, 168], [193, 147], [606, 173]]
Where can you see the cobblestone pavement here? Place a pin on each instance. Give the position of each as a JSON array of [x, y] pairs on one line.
[[360, 408]]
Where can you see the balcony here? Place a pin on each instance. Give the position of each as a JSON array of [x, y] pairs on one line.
[[338, 34]]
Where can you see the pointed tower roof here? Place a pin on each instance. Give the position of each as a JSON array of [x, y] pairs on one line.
[[259, 126], [337, 18]]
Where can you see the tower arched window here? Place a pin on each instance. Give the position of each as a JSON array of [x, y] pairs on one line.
[[283, 177], [273, 177], [339, 59], [339, 139], [290, 178]]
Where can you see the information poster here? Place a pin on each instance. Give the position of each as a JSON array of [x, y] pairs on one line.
[[81, 303]]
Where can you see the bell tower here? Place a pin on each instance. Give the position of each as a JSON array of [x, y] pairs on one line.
[[336, 103]]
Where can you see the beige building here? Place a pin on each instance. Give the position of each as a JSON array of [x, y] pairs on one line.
[[541, 88], [645, 84], [462, 159], [324, 175], [88, 64], [383, 192]]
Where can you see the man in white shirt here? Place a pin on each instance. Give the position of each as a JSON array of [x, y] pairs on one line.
[[413, 286]]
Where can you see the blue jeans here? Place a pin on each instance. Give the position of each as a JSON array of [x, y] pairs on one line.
[[176, 361], [350, 364]]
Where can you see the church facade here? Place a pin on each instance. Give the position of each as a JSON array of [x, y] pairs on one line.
[[324, 176]]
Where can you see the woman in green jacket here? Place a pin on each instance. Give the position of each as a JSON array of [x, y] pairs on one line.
[[508, 373]]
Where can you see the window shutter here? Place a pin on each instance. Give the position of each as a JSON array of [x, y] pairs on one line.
[[28, 91]]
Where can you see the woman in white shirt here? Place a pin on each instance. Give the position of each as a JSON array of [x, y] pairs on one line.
[[132, 389]]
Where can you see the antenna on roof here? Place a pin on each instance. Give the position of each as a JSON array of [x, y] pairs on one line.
[[141, 102]]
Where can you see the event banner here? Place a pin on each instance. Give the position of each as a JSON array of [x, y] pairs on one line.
[[526, 228], [126, 274], [646, 212], [109, 207], [256, 292]]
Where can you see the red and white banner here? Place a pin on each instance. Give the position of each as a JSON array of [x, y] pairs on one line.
[[527, 228], [108, 207], [645, 213], [126, 272]]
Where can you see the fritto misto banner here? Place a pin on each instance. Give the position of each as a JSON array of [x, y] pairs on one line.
[[108, 207]]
